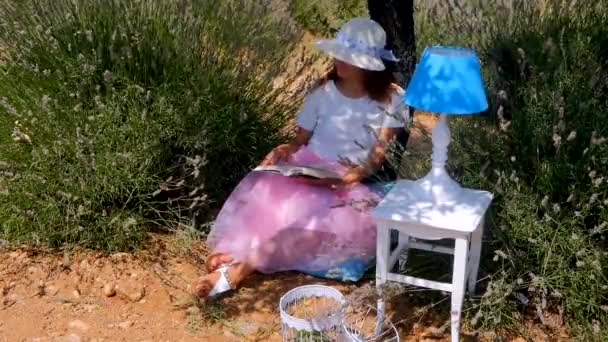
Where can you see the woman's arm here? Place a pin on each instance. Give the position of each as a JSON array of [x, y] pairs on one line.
[[282, 152], [376, 158]]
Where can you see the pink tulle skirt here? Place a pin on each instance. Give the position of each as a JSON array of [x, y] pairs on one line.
[[278, 223]]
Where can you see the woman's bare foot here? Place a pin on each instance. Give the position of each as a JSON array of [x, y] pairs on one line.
[[203, 285], [214, 261], [236, 273]]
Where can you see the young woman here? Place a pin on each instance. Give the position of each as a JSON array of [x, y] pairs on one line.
[[272, 223]]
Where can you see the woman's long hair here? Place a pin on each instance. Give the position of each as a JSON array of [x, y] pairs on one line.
[[379, 85]]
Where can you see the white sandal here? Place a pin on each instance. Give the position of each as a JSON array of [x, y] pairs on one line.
[[223, 284]]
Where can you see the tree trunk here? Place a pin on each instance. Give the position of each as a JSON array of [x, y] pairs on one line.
[[397, 19]]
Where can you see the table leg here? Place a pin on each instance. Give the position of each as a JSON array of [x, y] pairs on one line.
[[382, 256], [458, 284], [474, 257]]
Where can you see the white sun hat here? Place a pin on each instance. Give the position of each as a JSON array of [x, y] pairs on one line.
[[360, 42]]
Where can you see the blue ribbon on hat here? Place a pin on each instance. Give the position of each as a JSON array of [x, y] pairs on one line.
[[359, 46]]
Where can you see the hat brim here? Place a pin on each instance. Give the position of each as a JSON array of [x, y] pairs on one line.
[[343, 53]]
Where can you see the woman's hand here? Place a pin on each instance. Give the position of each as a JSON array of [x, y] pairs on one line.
[[354, 176], [280, 153]]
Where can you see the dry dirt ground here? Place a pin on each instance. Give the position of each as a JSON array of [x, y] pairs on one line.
[[87, 296], [143, 296]]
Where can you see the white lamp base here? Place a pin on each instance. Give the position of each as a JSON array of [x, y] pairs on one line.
[[437, 185]]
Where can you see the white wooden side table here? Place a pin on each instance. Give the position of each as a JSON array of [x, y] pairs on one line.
[[407, 209]]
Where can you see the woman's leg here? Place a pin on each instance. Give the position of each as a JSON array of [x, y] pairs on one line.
[[237, 273]]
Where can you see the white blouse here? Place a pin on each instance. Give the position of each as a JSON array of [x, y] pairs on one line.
[[345, 128]]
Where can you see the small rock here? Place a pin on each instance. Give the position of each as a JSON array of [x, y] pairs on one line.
[[65, 263], [193, 310], [40, 289], [137, 295], [90, 308], [143, 301], [51, 290], [67, 305], [72, 338], [118, 257], [76, 293], [109, 290], [79, 325], [131, 290], [10, 300], [4, 244], [76, 280], [125, 324], [84, 265]]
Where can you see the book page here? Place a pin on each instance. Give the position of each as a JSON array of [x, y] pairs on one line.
[[295, 171]]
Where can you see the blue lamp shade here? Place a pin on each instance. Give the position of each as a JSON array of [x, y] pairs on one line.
[[447, 80]]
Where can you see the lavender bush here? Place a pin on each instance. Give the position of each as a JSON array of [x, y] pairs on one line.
[[117, 117]]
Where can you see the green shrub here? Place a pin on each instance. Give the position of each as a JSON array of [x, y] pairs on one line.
[[543, 152], [325, 17], [116, 116]]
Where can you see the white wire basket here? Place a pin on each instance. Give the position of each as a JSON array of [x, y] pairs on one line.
[[312, 313], [363, 324], [317, 313]]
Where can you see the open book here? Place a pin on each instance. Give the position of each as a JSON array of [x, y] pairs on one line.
[[299, 171]]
